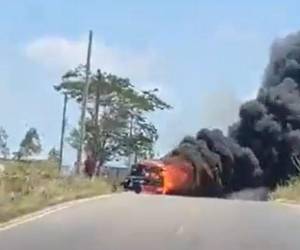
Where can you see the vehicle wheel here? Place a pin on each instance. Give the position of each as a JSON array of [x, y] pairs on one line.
[[137, 189]]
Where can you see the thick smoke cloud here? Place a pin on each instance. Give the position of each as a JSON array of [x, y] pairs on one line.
[[260, 145], [235, 165], [270, 124]]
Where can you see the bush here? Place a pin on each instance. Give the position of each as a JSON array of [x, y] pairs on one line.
[[289, 191]]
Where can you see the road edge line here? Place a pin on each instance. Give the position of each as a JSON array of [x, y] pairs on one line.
[[47, 211], [286, 202]]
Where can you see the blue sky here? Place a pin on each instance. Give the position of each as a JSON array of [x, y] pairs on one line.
[[205, 56]]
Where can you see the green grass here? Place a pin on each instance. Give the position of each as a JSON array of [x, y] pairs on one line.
[[29, 186], [288, 192]]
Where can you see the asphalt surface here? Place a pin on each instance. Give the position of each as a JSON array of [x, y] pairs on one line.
[[252, 194], [144, 222]]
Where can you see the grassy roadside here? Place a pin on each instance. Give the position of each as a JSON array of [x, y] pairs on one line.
[[27, 187], [289, 192]]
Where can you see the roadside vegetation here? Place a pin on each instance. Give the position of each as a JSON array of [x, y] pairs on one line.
[[29, 186], [289, 192]]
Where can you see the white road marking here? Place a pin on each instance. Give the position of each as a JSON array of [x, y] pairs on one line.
[[47, 211]]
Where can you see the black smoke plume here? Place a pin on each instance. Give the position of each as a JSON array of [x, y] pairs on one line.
[[259, 147]]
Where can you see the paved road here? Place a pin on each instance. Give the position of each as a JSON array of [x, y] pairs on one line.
[[135, 222]]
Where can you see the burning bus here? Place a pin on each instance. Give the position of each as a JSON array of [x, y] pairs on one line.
[[209, 164], [171, 175]]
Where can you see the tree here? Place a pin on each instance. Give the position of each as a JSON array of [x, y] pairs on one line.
[[141, 141], [4, 150], [116, 124], [30, 145], [53, 155], [142, 133]]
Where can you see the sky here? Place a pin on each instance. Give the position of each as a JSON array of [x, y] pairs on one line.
[[206, 57]]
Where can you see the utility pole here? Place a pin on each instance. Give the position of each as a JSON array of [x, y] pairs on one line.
[[84, 103], [130, 139], [97, 100], [62, 135], [96, 110]]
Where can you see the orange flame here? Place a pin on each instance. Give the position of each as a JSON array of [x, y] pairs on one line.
[[176, 178], [175, 172]]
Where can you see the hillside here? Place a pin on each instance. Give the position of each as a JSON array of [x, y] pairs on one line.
[[29, 186]]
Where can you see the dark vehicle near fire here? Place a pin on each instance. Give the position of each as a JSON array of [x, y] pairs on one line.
[[144, 177]]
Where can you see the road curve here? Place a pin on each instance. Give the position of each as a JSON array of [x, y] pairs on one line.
[[129, 221]]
